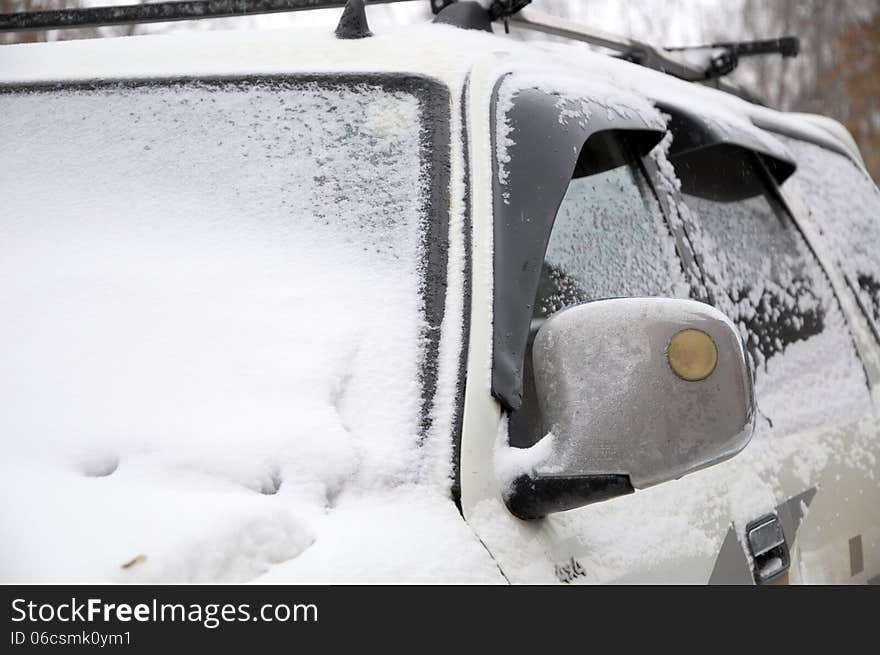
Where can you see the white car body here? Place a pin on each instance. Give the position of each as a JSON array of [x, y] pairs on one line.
[[690, 530]]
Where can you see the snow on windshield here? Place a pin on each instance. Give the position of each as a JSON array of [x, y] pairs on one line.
[[213, 327]]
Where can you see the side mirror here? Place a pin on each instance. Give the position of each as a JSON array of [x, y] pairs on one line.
[[635, 392]]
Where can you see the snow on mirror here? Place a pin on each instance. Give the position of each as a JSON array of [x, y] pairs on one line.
[[208, 288], [636, 391]]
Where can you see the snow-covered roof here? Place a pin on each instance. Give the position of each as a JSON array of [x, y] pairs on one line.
[[440, 51]]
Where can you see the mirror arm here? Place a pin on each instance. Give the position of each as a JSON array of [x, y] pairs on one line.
[[535, 496]]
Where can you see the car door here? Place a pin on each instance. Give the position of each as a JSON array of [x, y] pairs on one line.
[[614, 233], [626, 230], [838, 206], [816, 436]]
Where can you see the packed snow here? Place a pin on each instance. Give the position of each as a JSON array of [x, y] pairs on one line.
[[510, 463]]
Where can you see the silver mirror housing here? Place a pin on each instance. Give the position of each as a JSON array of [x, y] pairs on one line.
[[635, 392]]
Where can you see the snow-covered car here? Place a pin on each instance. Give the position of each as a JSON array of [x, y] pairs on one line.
[[431, 305]]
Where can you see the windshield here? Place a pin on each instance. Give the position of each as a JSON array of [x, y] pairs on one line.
[[222, 283]]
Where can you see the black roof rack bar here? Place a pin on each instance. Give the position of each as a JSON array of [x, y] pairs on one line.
[[158, 12], [716, 61], [636, 51], [787, 46]]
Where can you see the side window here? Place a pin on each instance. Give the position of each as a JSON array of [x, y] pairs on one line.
[[845, 206], [763, 275], [543, 135], [609, 239]]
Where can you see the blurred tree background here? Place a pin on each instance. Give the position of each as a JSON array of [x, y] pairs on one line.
[[837, 73]]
